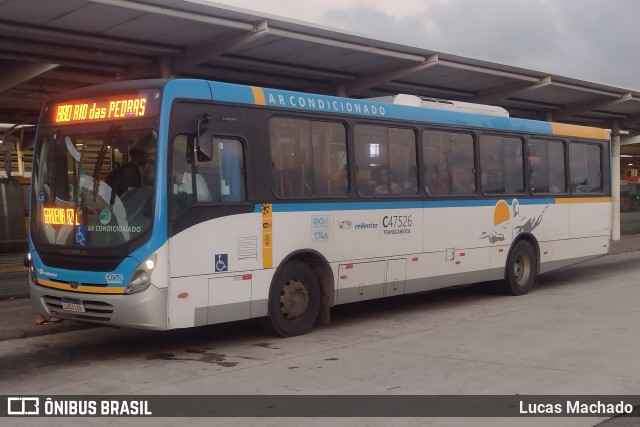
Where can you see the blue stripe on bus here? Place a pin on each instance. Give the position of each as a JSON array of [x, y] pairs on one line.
[[538, 201], [231, 93], [431, 115], [330, 104], [345, 206], [401, 204], [125, 268], [187, 88]]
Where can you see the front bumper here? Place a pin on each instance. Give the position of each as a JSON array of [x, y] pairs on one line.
[[143, 310]]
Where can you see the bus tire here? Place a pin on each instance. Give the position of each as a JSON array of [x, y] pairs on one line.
[[521, 272], [294, 300]]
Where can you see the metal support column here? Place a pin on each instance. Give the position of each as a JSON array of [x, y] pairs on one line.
[[615, 181], [20, 154]]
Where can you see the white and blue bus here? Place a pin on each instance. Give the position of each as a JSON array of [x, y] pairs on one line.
[[179, 203]]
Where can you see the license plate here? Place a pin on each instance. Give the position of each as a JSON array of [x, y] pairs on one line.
[[73, 305]]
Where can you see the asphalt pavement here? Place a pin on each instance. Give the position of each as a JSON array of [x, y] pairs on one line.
[[17, 320]]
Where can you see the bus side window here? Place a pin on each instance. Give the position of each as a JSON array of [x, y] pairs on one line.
[[436, 152], [179, 167], [228, 164], [220, 179], [502, 165], [546, 166], [449, 163], [371, 156], [402, 162], [513, 165], [594, 168], [463, 180], [308, 158], [585, 168], [386, 161], [329, 146], [557, 175]]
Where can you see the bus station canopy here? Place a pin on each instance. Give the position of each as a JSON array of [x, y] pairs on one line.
[[48, 47]]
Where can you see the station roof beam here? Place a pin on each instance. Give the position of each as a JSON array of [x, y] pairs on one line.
[[595, 105], [377, 79], [196, 55], [14, 74], [510, 90]]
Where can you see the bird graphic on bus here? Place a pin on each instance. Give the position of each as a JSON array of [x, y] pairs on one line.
[[505, 220]]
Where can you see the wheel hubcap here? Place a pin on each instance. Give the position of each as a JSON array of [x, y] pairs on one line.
[[522, 268], [294, 299]]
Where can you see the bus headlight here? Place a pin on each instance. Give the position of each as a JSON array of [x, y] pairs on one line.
[[141, 277]]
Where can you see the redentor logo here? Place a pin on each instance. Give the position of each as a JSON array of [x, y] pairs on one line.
[[23, 406]]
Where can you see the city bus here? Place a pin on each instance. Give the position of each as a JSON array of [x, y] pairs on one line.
[[163, 204]]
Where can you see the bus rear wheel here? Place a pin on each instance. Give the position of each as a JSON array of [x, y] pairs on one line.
[[521, 270], [294, 300]]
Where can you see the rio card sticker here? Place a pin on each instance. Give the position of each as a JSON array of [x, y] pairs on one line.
[[321, 228]]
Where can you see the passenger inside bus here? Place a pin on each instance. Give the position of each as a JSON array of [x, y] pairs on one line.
[[184, 184], [386, 187], [410, 186], [436, 184], [364, 182], [339, 184], [462, 180]]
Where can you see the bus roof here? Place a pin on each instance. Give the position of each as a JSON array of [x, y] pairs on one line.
[[402, 107]]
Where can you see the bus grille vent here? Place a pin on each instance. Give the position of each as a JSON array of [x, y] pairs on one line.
[[96, 311], [248, 248]]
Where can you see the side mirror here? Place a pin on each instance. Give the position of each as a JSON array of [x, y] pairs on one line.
[[204, 143]]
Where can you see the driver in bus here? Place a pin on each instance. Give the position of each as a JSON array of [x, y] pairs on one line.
[[131, 175]]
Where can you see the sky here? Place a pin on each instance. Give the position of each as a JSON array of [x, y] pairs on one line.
[[591, 40]]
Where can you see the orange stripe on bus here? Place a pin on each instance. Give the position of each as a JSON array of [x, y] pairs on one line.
[[583, 200], [258, 95], [581, 131], [82, 288]]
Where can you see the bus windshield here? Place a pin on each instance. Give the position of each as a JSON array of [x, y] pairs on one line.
[[94, 189]]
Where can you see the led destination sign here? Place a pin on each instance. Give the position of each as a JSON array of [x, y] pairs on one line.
[[99, 109]]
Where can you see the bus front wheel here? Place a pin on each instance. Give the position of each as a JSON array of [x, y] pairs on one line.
[[521, 270], [294, 300]]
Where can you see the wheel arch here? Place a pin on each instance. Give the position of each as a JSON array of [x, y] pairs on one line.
[[324, 273]]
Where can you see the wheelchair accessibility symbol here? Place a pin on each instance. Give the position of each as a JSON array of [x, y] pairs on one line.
[[81, 234], [222, 262]]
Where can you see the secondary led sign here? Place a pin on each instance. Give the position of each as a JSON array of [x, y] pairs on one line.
[[99, 109], [59, 216]]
